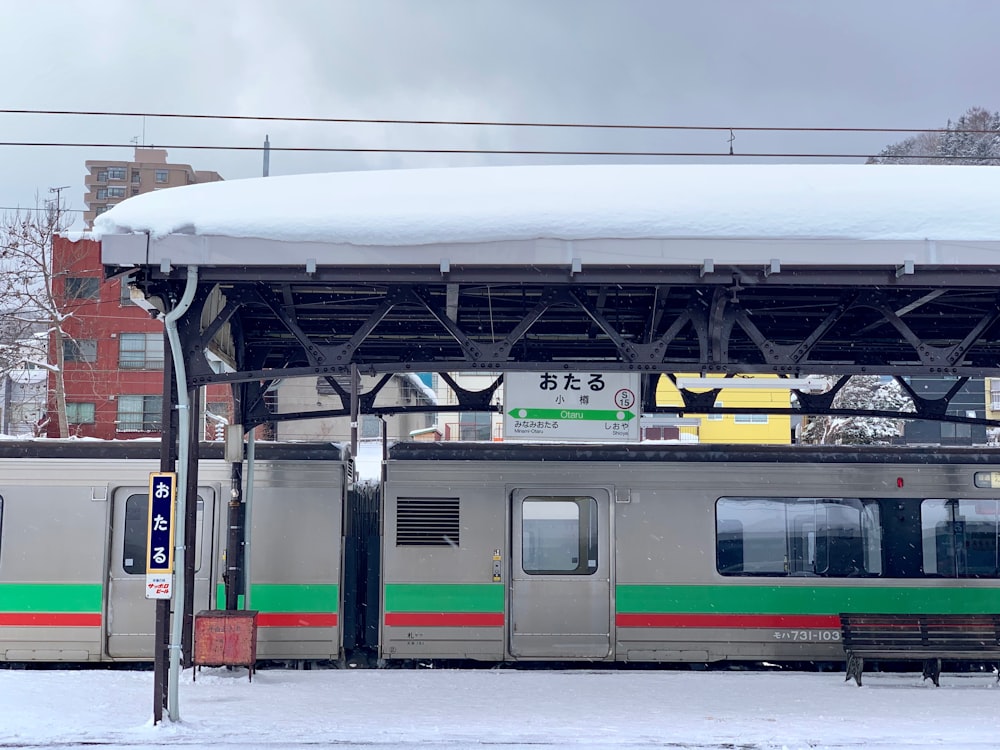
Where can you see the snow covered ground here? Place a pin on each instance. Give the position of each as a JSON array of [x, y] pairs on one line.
[[433, 708]]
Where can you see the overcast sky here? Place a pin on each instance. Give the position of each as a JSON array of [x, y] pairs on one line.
[[731, 63]]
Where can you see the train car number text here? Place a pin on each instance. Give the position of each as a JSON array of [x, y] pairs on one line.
[[807, 635]]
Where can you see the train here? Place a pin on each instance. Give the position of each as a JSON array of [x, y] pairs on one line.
[[510, 553], [73, 531]]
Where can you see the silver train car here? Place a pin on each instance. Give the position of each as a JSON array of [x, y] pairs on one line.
[[73, 518], [509, 553], [643, 553]]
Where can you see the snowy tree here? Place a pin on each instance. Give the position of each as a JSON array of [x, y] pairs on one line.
[[28, 300], [974, 138], [860, 392]]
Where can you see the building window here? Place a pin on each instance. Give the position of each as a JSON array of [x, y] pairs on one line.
[[80, 350], [135, 191], [126, 293], [371, 426], [218, 408], [217, 413], [216, 419], [136, 178], [98, 210], [162, 176], [953, 431], [139, 413], [82, 287], [80, 413], [102, 175], [116, 192], [716, 417], [102, 194], [140, 351], [750, 418], [116, 173], [475, 426]]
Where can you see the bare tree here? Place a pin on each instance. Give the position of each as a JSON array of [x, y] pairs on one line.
[[28, 299]]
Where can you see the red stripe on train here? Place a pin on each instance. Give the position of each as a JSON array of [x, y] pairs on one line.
[[726, 621], [297, 620], [50, 619], [444, 619]]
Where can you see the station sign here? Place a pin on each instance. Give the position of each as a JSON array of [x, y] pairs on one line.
[[571, 407], [160, 540]]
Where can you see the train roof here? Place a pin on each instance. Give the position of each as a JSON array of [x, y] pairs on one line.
[[655, 452], [150, 450]]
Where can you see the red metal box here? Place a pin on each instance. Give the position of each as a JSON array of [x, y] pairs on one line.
[[225, 638]]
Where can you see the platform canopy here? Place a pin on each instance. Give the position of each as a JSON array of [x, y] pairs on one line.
[[787, 269]]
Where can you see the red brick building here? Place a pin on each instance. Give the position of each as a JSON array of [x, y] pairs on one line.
[[113, 352]]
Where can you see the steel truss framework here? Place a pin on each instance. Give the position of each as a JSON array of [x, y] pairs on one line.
[[284, 322]]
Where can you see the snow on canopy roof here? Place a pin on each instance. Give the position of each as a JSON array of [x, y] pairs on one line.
[[483, 204]]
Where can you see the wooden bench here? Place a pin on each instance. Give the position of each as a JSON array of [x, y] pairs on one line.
[[926, 638]]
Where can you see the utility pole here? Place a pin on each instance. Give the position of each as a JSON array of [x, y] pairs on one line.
[[54, 214], [267, 156]]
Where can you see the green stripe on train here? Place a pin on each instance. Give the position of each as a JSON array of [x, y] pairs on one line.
[[444, 597], [288, 597], [804, 599], [50, 597]]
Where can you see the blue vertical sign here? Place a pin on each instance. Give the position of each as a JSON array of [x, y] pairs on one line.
[[160, 544]]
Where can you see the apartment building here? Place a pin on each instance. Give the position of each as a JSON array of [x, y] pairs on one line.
[[312, 394], [22, 400], [109, 182], [113, 355], [977, 398], [758, 428]]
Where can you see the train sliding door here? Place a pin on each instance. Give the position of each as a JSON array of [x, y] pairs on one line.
[[560, 591], [130, 616]]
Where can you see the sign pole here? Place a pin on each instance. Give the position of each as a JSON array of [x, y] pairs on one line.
[[159, 571], [160, 659], [168, 456]]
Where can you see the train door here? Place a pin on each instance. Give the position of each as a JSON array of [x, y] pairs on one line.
[[560, 590], [130, 616]]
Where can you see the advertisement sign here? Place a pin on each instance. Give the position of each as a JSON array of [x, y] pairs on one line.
[[160, 544], [571, 407]]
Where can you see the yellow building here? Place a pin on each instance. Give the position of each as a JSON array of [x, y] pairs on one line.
[[762, 428]]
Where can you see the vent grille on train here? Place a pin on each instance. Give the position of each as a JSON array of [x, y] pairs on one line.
[[427, 522]]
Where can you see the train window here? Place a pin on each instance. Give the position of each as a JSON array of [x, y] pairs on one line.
[[1, 522], [559, 535], [136, 532], [960, 538], [801, 536]]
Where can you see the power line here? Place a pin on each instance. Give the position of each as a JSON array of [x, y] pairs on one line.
[[482, 123], [516, 152], [504, 152], [37, 208]]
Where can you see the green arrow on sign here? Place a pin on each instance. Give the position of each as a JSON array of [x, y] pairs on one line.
[[596, 415]]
